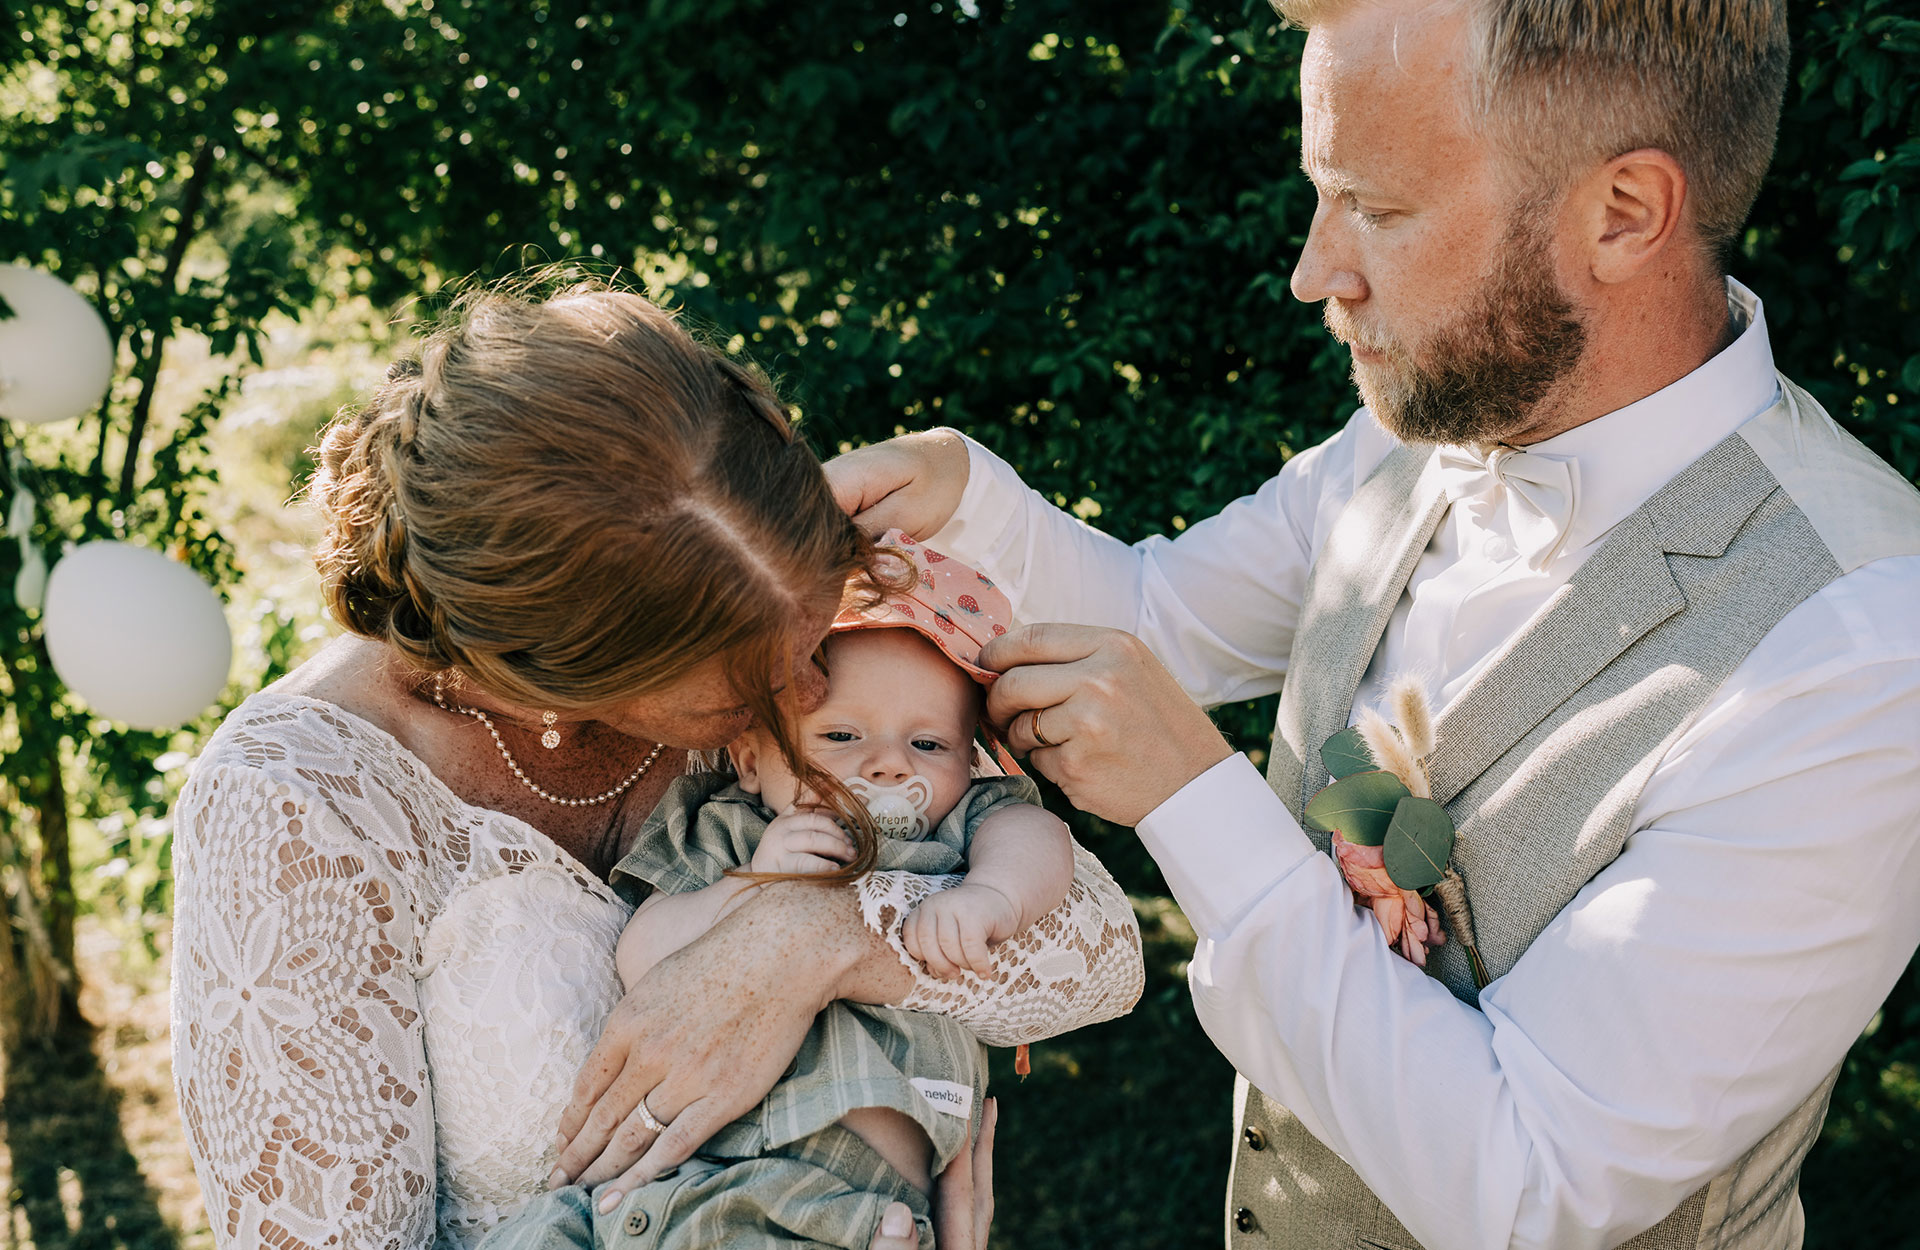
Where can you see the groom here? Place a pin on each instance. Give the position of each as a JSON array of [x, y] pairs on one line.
[[1671, 643]]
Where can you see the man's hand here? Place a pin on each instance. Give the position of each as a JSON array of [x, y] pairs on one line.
[[957, 929], [913, 483], [1120, 735], [802, 842]]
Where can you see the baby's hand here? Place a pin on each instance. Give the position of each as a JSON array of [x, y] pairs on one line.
[[802, 841], [957, 929]]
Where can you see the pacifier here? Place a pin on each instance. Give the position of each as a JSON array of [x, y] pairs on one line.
[[897, 811]]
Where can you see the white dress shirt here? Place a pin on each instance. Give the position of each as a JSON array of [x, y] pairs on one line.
[[1687, 999]]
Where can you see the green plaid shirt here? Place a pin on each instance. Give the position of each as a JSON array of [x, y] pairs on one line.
[[924, 1066]]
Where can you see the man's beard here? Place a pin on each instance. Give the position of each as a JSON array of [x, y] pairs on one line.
[[1486, 372]]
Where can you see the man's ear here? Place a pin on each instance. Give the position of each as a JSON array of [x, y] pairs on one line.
[[745, 753], [1634, 206]]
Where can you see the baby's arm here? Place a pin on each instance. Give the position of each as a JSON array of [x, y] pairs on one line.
[[1020, 865], [798, 842], [666, 922]]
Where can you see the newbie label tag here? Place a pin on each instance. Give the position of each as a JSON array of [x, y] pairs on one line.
[[947, 1097]]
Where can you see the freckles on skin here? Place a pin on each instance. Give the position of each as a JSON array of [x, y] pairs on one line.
[[1385, 127]]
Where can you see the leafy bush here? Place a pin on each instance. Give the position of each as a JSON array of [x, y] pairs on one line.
[[1064, 227]]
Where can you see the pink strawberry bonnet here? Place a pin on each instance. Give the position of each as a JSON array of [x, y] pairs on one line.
[[952, 604]]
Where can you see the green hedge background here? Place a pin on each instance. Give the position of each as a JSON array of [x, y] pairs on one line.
[[1064, 227]]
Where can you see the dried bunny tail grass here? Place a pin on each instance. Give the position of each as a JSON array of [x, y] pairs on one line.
[[1388, 751], [1410, 707]]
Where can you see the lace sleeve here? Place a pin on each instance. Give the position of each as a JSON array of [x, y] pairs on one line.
[[297, 1048], [1077, 965]]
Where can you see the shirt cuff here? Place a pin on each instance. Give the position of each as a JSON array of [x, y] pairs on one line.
[[1224, 840], [980, 527]]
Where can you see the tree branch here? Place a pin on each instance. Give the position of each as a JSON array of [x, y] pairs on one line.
[[157, 335]]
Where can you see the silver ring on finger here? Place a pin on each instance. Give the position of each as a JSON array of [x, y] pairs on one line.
[[1034, 728], [653, 1122]]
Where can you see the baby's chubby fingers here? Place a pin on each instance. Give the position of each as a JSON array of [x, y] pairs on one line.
[[834, 845], [975, 952], [953, 940], [805, 842], [807, 820], [921, 936]]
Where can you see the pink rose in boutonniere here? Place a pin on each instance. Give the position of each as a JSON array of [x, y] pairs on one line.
[[1393, 843], [1409, 923]]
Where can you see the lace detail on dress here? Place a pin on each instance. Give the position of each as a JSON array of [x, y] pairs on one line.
[[1077, 965], [381, 993], [344, 926]]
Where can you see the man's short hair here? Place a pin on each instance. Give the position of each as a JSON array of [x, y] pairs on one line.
[[1566, 84]]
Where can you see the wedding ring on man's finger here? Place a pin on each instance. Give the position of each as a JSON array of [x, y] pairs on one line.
[[648, 1118], [1034, 729]]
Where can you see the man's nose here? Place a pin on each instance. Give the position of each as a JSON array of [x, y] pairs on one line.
[[1326, 269]]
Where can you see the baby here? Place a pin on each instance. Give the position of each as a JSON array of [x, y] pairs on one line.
[[878, 1101]]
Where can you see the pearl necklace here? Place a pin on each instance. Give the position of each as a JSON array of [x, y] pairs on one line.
[[440, 697]]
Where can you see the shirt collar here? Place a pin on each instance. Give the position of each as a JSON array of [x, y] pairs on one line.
[[1627, 455]]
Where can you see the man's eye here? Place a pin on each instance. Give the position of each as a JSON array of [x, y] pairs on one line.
[[838, 735]]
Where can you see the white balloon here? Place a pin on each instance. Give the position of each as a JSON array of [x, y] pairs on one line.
[[141, 638], [56, 360]]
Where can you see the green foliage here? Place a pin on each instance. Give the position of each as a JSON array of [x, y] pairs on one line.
[[1065, 228], [1359, 808], [1830, 247], [1346, 753], [1418, 844], [114, 169]]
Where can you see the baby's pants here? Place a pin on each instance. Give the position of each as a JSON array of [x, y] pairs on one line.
[[825, 1191]]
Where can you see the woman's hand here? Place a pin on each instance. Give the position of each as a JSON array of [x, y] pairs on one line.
[[962, 1199], [913, 483], [706, 1033]]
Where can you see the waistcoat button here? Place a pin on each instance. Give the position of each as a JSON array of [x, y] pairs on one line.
[[1256, 1140], [1243, 1220], [636, 1223]]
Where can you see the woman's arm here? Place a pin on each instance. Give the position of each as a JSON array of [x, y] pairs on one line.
[[1091, 940], [712, 1027], [297, 1044]]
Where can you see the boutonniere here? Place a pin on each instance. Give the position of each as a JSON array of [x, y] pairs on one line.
[[1393, 843]]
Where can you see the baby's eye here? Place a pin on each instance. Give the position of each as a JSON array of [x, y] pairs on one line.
[[928, 744], [838, 735]]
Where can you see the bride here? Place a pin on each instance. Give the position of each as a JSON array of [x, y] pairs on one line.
[[570, 546]]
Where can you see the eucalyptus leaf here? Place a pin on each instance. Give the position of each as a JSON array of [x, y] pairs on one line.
[[1419, 842], [1346, 754], [1359, 808]]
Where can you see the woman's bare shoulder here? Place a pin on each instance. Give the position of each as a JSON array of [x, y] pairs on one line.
[[357, 676]]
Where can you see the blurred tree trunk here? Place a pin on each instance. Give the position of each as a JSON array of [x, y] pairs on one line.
[[56, 872]]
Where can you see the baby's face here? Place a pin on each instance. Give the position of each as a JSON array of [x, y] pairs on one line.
[[896, 708]]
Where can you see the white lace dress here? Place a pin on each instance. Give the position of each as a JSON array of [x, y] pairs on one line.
[[381, 993]]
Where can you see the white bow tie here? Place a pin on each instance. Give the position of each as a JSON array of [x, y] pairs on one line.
[[1537, 492]]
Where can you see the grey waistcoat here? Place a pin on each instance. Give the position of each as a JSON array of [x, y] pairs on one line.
[[1541, 760]]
